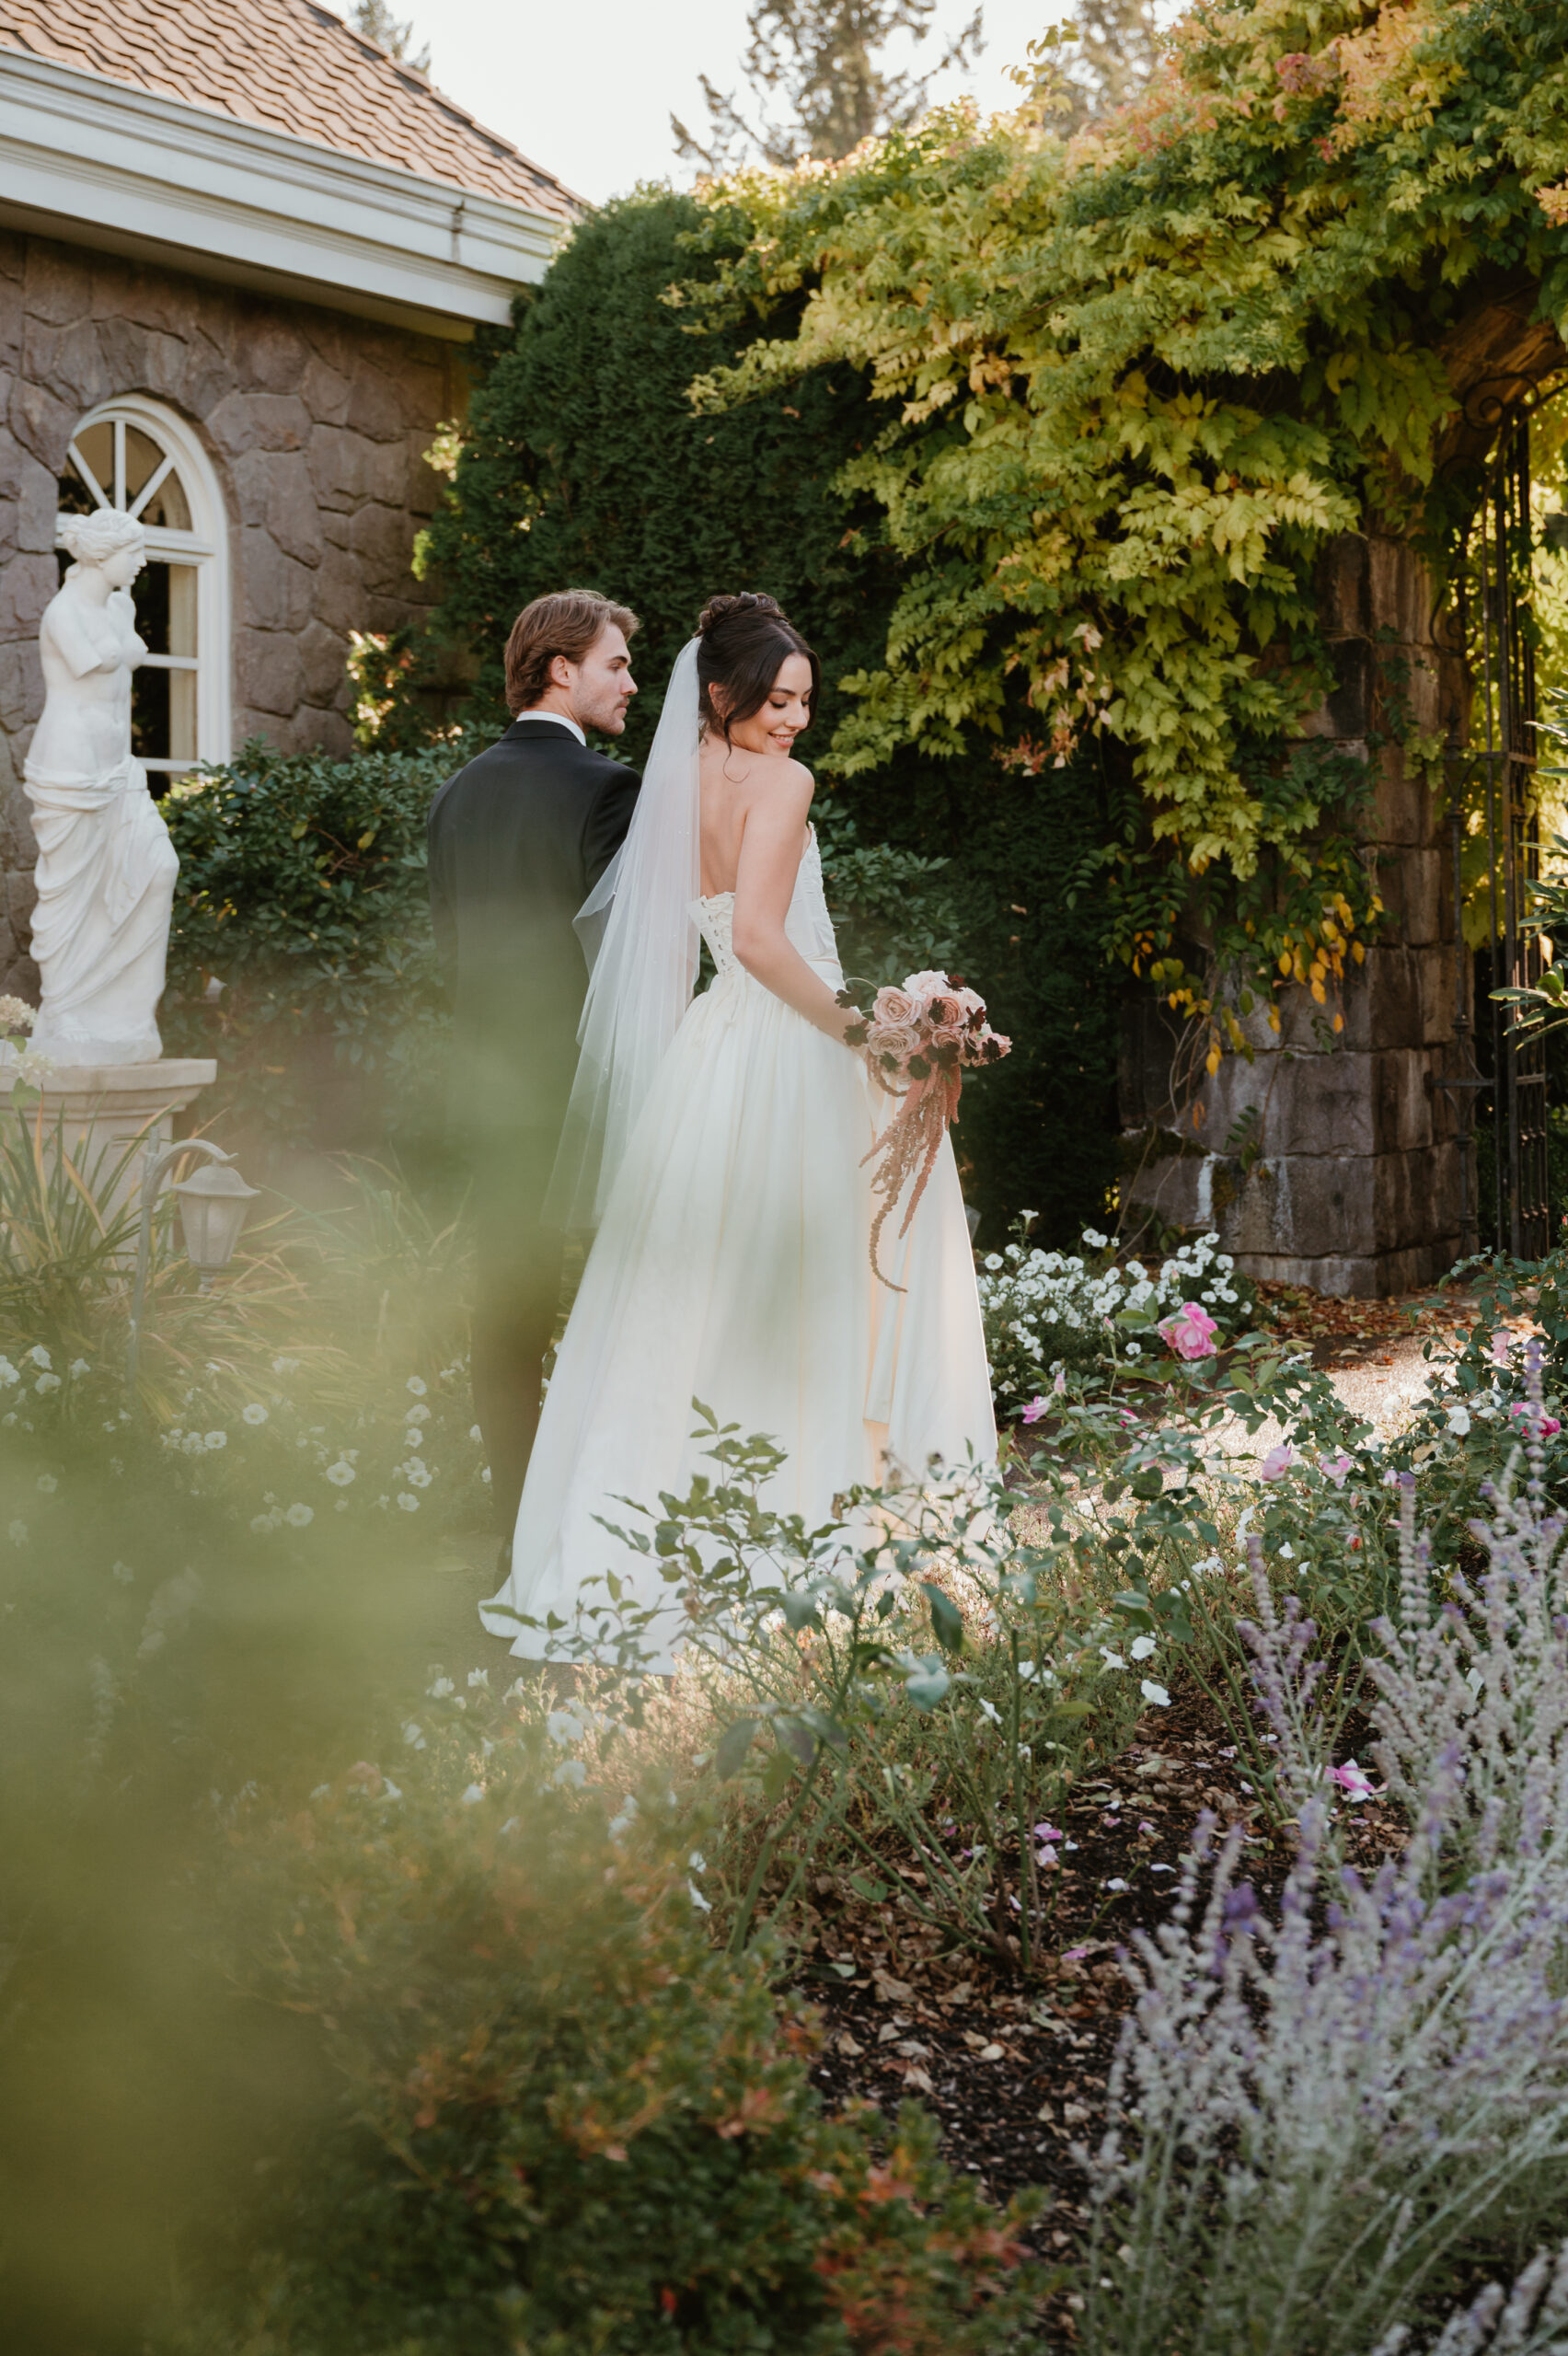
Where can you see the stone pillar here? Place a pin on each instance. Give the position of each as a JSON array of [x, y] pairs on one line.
[[1353, 1181]]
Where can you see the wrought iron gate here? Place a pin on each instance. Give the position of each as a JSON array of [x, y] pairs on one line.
[[1495, 584]]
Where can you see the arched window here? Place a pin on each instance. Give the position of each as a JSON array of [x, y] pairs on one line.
[[139, 457]]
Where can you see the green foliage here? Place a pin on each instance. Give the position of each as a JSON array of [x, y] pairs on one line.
[[302, 890], [823, 57], [1142, 376], [922, 1692], [583, 460], [566, 2122]]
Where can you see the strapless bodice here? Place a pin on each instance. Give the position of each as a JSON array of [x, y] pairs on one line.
[[807, 924]]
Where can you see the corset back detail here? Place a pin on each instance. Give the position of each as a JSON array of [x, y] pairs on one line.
[[807, 925]]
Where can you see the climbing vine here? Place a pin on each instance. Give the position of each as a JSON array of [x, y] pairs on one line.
[[1134, 381]]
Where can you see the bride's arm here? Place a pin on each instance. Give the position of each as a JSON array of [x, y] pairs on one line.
[[764, 884]]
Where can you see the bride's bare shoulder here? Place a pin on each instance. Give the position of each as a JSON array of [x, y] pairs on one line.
[[780, 784]]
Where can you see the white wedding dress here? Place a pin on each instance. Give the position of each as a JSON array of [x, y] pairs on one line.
[[732, 1265]]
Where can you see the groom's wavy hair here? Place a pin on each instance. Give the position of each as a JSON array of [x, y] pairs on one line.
[[742, 643], [566, 622]]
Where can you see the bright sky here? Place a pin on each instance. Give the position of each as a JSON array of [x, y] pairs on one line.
[[588, 91]]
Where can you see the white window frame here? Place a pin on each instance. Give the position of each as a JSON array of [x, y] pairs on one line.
[[204, 546]]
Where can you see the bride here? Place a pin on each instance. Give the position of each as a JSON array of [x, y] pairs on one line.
[[717, 1144]]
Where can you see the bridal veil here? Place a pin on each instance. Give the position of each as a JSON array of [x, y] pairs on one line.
[[638, 932]]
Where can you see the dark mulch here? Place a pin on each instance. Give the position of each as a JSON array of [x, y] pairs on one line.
[[1015, 2069], [1361, 1332]]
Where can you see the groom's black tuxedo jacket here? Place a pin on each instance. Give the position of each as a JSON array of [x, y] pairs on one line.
[[517, 840]]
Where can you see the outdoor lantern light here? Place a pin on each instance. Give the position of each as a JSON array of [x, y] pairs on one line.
[[212, 1212]]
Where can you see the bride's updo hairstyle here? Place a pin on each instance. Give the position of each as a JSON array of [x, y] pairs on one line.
[[743, 643]]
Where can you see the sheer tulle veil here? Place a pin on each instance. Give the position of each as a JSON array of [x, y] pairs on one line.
[[638, 932]]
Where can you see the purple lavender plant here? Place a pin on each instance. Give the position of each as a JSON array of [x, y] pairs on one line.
[[1313, 2114], [1483, 1674]]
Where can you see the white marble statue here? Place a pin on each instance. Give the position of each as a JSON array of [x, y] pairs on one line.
[[106, 867]]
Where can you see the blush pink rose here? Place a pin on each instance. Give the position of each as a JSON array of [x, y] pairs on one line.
[[927, 986], [1191, 1332], [894, 1006], [900, 1040]]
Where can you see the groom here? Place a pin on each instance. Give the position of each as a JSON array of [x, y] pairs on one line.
[[517, 841]]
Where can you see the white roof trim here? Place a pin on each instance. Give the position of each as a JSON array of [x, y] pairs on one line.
[[100, 163]]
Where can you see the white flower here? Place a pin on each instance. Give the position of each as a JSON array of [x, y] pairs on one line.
[[1112, 1660], [1154, 1694], [78, 1368], [413, 1734], [697, 1899], [624, 1817], [389, 1790], [1141, 1648], [215, 1440], [1026, 1673], [572, 1773], [698, 1862], [286, 1366], [263, 1521], [1095, 1241], [408, 1504], [18, 1533], [254, 1414], [441, 1690], [475, 1433], [339, 1474], [1116, 1882], [1458, 1420], [416, 1415], [475, 1792], [563, 1725], [45, 1383], [40, 1356], [8, 1375], [416, 1475], [1288, 1553], [298, 1516], [993, 1260], [417, 1385], [988, 1711]]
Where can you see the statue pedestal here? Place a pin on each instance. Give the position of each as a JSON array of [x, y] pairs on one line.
[[110, 1116]]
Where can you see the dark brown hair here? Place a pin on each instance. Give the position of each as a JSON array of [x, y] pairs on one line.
[[742, 642], [567, 622]]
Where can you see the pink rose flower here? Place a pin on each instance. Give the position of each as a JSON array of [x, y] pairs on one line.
[[1545, 1424], [1353, 1781], [1277, 1462], [900, 1040], [1191, 1332], [894, 1006], [926, 986], [1334, 1468], [1037, 1407]]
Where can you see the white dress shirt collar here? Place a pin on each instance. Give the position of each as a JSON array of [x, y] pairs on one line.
[[560, 720]]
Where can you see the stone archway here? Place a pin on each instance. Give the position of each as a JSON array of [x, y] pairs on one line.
[[1341, 1168]]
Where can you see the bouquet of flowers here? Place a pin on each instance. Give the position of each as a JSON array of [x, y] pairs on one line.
[[919, 1041]]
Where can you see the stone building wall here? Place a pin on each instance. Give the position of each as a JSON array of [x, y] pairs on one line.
[[317, 423], [1356, 1184]]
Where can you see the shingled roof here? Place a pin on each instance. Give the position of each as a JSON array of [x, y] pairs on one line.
[[290, 67]]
